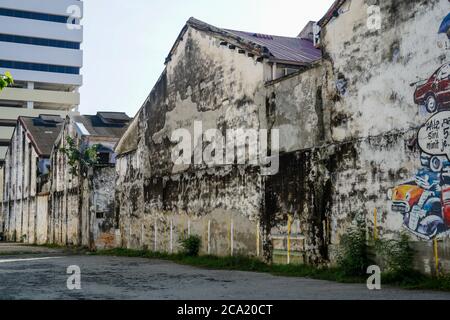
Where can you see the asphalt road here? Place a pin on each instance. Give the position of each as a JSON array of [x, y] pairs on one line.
[[44, 275]]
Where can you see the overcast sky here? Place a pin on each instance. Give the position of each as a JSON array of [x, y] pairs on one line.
[[126, 42]]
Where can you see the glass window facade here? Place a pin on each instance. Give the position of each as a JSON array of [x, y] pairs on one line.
[[38, 67], [34, 15], [39, 41]]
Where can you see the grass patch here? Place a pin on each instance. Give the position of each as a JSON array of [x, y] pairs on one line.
[[238, 263], [416, 281], [411, 280], [66, 249]]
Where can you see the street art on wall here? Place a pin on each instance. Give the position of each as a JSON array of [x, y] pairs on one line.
[[434, 93], [444, 34], [445, 26], [424, 200]]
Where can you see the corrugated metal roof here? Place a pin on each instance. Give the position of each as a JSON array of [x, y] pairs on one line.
[[283, 48]]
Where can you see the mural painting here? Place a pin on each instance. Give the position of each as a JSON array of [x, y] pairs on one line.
[[434, 93], [424, 200], [445, 26], [444, 34]]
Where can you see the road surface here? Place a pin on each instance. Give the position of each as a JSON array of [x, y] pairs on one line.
[[43, 275]]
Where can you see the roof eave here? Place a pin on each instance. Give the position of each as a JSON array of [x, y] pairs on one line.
[[291, 62], [222, 35]]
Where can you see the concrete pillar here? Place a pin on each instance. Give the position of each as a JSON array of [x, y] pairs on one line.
[[30, 104], [274, 71]]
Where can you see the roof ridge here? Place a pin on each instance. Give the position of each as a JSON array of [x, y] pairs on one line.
[[275, 48], [268, 34]]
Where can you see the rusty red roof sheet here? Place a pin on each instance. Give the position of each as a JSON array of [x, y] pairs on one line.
[[283, 48], [277, 48]]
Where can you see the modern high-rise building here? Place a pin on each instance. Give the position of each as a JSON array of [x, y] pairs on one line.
[[40, 46]]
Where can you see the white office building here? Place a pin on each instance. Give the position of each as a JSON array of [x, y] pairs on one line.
[[40, 45]]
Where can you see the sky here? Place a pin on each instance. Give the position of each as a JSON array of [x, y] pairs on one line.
[[126, 42]]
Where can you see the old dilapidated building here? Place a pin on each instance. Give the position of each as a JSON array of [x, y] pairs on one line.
[[360, 110], [358, 130], [82, 183], [267, 146], [215, 77], [26, 188]]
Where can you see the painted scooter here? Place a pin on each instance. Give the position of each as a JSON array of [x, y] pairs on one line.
[[423, 215]]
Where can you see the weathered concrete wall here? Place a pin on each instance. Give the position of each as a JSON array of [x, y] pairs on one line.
[[296, 198], [64, 224], [2, 181], [208, 82], [299, 106], [348, 139], [380, 65], [102, 207], [129, 200], [378, 108], [2, 204], [359, 123], [82, 205], [42, 220], [20, 188]]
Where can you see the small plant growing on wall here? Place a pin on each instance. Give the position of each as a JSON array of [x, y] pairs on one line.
[[191, 245], [80, 160]]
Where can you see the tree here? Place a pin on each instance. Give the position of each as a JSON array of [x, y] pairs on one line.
[[80, 160], [6, 80]]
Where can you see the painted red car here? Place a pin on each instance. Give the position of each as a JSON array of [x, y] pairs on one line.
[[435, 93]]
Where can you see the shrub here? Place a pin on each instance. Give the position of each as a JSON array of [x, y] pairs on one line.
[[397, 254], [191, 245], [353, 257]]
